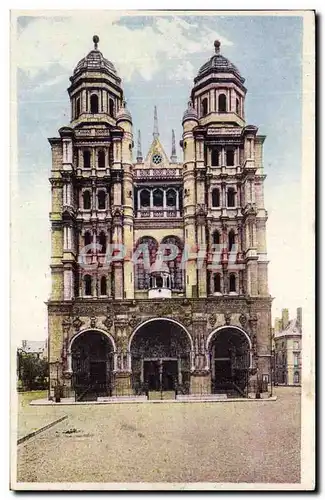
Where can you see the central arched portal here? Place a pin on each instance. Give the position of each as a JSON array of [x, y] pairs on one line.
[[161, 357], [92, 355], [230, 354]]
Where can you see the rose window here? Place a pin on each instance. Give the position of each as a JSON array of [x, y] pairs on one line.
[[156, 159]]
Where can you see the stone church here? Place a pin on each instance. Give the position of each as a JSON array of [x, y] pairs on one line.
[[194, 321]]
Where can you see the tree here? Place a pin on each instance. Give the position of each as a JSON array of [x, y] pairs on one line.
[[33, 372]]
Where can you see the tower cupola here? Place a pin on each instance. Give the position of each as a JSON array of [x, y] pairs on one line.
[[218, 94]]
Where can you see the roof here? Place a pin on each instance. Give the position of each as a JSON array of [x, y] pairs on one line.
[[220, 64], [34, 346], [94, 61], [292, 328]]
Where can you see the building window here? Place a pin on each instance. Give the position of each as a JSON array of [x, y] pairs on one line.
[[86, 200], [296, 360], [101, 159], [86, 157], [103, 286], [102, 242], [77, 107], [296, 345], [215, 157], [217, 283], [171, 198], [204, 105], [88, 240], [158, 198], [237, 106], [101, 195], [88, 285], [231, 239], [222, 103], [232, 283], [216, 237], [145, 198], [231, 197], [230, 157], [111, 107], [94, 103], [296, 378], [215, 197]]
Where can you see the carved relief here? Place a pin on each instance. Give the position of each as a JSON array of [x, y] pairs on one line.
[[134, 320], [77, 323], [227, 316], [108, 322], [212, 319], [66, 323], [243, 320], [93, 322]]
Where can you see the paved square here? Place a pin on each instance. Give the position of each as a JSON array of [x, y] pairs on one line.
[[180, 442]]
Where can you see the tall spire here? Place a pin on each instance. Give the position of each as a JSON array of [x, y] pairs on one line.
[[173, 157], [139, 152], [155, 124]]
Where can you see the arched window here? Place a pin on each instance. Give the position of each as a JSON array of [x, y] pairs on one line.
[[180, 200], [88, 240], [217, 283], [231, 197], [101, 159], [231, 239], [215, 197], [101, 195], [204, 105], [159, 282], [141, 265], [86, 200], [237, 106], [77, 107], [158, 198], [145, 198], [111, 107], [216, 237], [232, 283], [86, 157], [102, 242], [296, 378], [175, 265], [222, 103], [171, 198], [215, 157], [103, 286], [94, 103], [87, 285], [230, 157]]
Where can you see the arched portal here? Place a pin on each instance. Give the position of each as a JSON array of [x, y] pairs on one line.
[[92, 363], [230, 353], [161, 356]]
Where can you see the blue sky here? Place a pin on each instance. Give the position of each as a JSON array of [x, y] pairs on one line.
[[157, 58]]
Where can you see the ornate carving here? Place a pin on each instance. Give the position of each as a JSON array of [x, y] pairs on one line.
[[243, 320], [93, 322], [134, 320], [77, 323], [212, 319], [186, 318], [108, 322], [227, 316]]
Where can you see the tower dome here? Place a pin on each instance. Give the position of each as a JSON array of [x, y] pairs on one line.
[[95, 61], [190, 112], [123, 114], [218, 64]]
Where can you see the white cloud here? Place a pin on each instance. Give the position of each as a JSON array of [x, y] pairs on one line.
[[48, 41], [184, 71]]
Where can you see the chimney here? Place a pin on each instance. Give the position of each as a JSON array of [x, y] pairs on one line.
[[299, 318], [285, 318], [277, 325]]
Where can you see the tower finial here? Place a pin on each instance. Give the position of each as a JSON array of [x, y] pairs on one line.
[[155, 124], [95, 40], [139, 152], [173, 157], [217, 46]]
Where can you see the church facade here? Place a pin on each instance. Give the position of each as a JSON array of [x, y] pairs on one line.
[[159, 266]]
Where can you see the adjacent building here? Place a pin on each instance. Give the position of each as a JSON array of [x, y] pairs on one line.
[[198, 322], [287, 349]]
